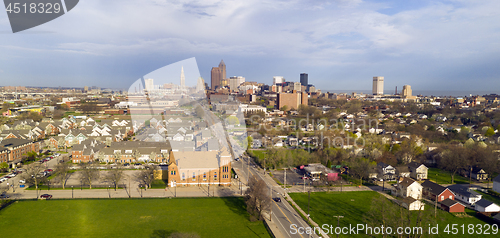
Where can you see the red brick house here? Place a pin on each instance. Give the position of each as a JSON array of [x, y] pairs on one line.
[[432, 190], [452, 206]]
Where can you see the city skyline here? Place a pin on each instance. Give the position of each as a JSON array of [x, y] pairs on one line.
[[339, 44]]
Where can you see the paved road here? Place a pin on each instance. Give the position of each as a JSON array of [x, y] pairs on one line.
[[283, 214]]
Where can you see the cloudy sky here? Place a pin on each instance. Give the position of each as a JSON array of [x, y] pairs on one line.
[[341, 44]]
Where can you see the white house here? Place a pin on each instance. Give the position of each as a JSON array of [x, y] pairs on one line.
[[412, 204], [484, 205], [496, 184], [462, 193], [410, 188]]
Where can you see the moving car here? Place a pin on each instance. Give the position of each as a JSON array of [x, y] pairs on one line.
[[46, 196], [277, 199]]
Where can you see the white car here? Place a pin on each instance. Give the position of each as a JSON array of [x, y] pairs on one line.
[[12, 175], [22, 181], [3, 179]]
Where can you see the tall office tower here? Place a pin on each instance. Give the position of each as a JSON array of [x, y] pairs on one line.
[[200, 85], [304, 79], [407, 91], [216, 78], [235, 81], [297, 87], [183, 79], [278, 79], [149, 86], [222, 67], [378, 86]]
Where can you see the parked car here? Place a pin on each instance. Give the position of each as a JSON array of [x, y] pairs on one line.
[[3, 196], [304, 177], [22, 181], [277, 199], [46, 196]]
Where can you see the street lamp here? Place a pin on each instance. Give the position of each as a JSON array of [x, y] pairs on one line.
[[71, 191], [109, 193]]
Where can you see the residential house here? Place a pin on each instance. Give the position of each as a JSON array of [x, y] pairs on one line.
[[409, 188], [464, 194], [479, 174], [418, 171], [412, 204], [496, 184], [18, 148], [433, 190], [453, 206], [386, 172], [485, 206], [402, 172]]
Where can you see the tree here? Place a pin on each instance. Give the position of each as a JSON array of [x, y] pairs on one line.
[[489, 132], [136, 154], [284, 108], [62, 143], [146, 176], [199, 111], [453, 160], [34, 174], [117, 155], [257, 198], [4, 166], [360, 168], [152, 156], [114, 175], [88, 174], [62, 173]]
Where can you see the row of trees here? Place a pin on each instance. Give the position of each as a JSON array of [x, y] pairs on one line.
[[88, 175]]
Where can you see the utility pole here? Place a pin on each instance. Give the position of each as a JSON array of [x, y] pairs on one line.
[[304, 179], [338, 222], [308, 203], [435, 206], [470, 176], [285, 177]]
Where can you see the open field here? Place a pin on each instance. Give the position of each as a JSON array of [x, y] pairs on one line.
[[354, 205], [444, 177], [208, 217]]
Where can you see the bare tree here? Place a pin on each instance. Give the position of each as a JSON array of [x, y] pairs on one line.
[[34, 174], [115, 175], [88, 174], [257, 198], [454, 160], [152, 156], [62, 173], [117, 155], [62, 143], [136, 154], [146, 176]]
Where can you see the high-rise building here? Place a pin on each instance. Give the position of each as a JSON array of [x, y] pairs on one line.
[[216, 78], [304, 79], [183, 79], [378, 85], [297, 87], [407, 91], [291, 100], [235, 81], [222, 67], [149, 85], [278, 79]]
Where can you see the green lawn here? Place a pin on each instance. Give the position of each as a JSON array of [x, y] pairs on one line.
[[260, 154], [354, 205], [208, 217], [490, 197], [444, 177]]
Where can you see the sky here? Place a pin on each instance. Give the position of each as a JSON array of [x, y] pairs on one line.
[[341, 44]]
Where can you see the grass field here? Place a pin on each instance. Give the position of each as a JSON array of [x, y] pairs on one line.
[[208, 217], [444, 177], [354, 205]]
